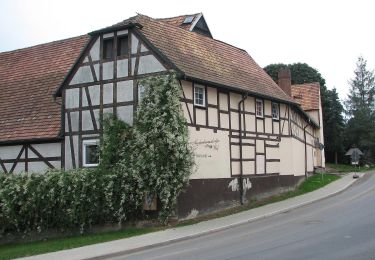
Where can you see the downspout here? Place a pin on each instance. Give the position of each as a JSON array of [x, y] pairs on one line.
[[305, 141], [240, 140]]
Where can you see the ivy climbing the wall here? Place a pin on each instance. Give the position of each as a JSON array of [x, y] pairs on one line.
[[152, 157]]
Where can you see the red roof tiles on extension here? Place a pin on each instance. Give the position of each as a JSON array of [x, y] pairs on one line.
[[307, 95], [28, 78]]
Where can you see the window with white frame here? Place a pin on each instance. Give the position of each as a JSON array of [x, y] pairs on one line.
[[90, 153], [275, 111], [199, 96], [259, 108]]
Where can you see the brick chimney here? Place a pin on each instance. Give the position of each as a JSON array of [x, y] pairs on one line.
[[285, 81]]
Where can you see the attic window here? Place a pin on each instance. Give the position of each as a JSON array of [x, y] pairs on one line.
[[108, 49], [122, 45], [188, 20]]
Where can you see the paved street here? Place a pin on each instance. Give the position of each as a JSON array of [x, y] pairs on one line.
[[339, 227]]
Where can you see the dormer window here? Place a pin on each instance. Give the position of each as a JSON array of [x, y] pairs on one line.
[[199, 96], [108, 49], [122, 45], [188, 20]]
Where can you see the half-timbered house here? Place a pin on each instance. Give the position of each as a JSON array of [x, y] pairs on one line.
[[250, 136]]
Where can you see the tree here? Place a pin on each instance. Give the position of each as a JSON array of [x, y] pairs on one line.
[[362, 89], [163, 155], [301, 73], [361, 111], [334, 125], [333, 122]]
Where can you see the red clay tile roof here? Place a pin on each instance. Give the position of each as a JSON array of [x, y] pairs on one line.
[[307, 95], [178, 20], [210, 60], [28, 78]]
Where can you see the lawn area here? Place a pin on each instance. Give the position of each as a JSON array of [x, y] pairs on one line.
[[11, 251], [343, 168]]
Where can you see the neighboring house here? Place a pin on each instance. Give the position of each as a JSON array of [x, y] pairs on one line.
[[243, 126]]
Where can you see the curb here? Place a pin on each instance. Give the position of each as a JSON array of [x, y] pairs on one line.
[[214, 230], [195, 235]]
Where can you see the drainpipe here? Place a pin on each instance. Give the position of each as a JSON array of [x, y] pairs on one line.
[[240, 139], [304, 137]]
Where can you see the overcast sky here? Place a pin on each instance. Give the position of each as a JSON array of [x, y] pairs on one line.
[[327, 35]]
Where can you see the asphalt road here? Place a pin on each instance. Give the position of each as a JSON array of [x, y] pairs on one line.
[[339, 227]]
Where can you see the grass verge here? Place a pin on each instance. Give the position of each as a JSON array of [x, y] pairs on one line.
[[344, 168], [11, 251]]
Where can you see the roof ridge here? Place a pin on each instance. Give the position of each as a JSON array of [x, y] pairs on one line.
[[159, 20], [307, 83], [177, 16], [44, 44]]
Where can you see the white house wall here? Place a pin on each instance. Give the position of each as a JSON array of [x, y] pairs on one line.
[[99, 86], [30, 157], [269, 146]]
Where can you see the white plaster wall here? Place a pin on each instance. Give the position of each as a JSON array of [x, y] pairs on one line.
[[122, 68], [212, 117], [72, 98], [260, 159], [149, 64], [125, 113], [212, 96], [234, 100], [108, 70], [211, 153], [273, 167], [108, 93], [94, 92], [83, 75], [223, 100], [125, 91], [200, 116], [95, 49], [187, 89], [46, 150], [250, 104], [268, 125], [10, 152], [267, 107], [286, 156]]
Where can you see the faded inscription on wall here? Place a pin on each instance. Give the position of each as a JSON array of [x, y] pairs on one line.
[[203, 148]]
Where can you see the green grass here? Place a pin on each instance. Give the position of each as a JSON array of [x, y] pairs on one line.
[[11, 251], [344, 168]]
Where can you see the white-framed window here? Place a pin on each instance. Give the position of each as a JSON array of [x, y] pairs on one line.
[[141, 92], [259, 108], [90, 153], [199, 96], [275, 111]]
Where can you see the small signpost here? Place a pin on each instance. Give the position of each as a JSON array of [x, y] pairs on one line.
[[354, 154]]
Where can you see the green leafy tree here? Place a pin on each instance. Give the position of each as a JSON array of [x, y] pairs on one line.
[[163, 155], [334, 127], [333, 122], [361, 111], [301, 73]]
